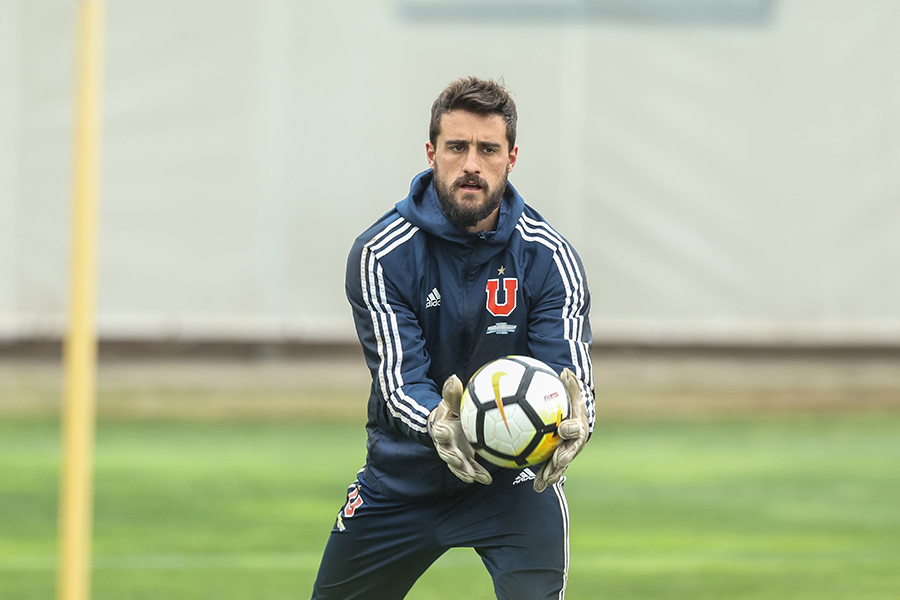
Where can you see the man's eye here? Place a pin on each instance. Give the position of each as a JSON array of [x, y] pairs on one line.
[[490, 150], [456, 148]]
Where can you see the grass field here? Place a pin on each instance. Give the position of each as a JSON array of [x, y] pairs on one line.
[[802, 505], [787, 508]]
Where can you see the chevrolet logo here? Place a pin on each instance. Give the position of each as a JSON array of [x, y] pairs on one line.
[[501, 328]]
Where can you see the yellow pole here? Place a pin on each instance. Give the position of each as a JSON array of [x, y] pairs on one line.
[[80, 354]]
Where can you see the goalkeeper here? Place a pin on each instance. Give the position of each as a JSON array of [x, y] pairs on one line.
[[458, 274]]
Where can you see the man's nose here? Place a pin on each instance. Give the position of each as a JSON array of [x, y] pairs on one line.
[[473, 163]]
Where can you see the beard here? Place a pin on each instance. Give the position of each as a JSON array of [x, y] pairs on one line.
[[468, 214]]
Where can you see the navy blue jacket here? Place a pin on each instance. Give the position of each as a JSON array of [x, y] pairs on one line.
[[431, 300]]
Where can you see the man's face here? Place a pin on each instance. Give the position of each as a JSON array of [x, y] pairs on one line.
[[471, 160]]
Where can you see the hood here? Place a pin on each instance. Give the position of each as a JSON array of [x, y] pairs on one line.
[[421, 208]]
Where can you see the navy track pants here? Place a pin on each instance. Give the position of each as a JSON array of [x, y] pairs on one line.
[[379, 547]]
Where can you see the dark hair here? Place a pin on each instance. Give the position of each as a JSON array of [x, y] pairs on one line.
[[480, 96]]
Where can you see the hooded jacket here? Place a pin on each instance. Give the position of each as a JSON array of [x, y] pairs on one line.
[[431, 300]]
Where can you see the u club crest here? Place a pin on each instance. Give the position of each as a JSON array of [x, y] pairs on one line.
[[501, 303]]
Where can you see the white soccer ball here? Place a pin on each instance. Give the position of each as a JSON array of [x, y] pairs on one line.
[[511, 409]]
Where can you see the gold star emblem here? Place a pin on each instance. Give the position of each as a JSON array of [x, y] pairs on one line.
[[501, 270]]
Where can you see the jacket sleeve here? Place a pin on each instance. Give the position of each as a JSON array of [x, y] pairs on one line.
[[559, 329], [402, 395]]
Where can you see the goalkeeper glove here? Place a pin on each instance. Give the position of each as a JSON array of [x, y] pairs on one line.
[[573, 431], [450, 442]]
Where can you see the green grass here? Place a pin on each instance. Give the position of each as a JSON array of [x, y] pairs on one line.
[[789, 507]]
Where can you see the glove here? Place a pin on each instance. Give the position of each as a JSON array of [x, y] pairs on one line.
[[451, 444], [573, 431]]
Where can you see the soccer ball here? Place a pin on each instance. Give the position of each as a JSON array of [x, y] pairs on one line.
[[510, 411]]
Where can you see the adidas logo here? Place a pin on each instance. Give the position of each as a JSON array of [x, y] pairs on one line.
[[525, 475], [434, 299]]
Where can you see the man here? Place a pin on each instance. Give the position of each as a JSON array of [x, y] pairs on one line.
[[459, 273]]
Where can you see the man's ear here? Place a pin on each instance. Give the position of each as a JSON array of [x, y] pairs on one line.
[[429, 154], [513, 154]]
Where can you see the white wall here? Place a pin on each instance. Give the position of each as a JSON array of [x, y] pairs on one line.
[[10, 86], [722, 181]]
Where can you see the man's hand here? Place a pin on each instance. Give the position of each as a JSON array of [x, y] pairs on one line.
[[574, 433], [450, 442]]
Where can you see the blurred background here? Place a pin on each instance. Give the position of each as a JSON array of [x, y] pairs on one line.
[[729, 171]]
